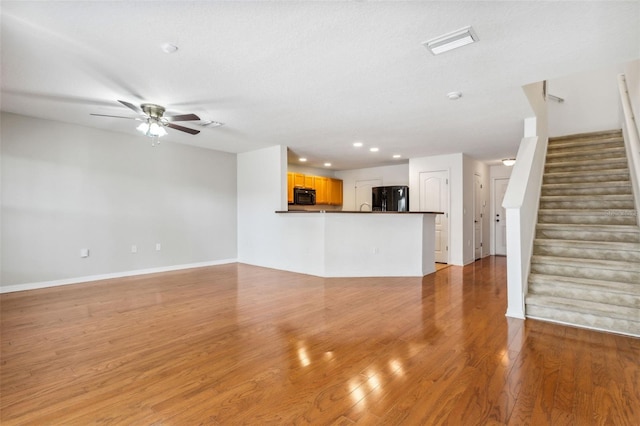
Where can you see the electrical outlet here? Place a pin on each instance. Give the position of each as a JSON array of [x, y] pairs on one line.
[[84, 252], [376, 250], [134, 248], [158, 247]]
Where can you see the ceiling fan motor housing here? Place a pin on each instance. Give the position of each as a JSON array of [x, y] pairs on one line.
[[153, 110]]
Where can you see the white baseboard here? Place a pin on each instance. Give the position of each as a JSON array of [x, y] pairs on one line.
[[515, 313], [55, 283]]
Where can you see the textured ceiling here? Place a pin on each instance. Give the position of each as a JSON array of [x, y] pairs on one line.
[[314, 76]]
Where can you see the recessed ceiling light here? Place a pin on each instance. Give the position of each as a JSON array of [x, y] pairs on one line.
[[327, 164], [509, 161], [397, 155], [169, 48], [451, 40], [374, 149], [357, 144], [454, 95], [302, 159]]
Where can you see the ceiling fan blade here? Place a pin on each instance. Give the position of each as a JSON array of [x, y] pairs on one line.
[[117, 116], [131, 106], [183, 117], [183, 129]]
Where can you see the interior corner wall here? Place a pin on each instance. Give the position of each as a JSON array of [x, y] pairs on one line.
[[590, 104], [67, 187], [267, 238]]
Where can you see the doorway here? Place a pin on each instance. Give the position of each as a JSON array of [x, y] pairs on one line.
[[500, 216], [434, 196], [478, 213]]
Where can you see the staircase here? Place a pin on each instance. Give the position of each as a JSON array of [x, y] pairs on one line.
[[585, 268]]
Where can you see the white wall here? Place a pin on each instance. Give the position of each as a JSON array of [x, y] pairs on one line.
[[389, 175], [68, 187], [378, 245], [591, 102], [313, 171], [266, 238], [632, 75], [521, 200]]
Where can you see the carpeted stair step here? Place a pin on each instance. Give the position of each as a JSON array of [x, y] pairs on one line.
[[588, 188], [608, 201], [577, 305], [554, 284], [621, 233], [592, 155], [590, 137], [581, 176], [588, 216], [556, 146], [563, 315], [608, 270], [605, 250], [568, 166]]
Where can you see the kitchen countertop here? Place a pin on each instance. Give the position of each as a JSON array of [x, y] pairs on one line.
[[352, 211]]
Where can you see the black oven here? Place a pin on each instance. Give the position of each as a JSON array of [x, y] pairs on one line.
[[304, 196]]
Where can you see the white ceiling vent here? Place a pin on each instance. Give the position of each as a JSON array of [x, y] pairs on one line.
[[451, 41]]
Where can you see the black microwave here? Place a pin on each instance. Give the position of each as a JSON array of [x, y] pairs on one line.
[[304, 196]]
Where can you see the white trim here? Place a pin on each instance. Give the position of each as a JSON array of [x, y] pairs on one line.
[[55, 283]]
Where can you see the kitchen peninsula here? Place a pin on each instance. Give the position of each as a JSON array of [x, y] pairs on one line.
[[367, 244]]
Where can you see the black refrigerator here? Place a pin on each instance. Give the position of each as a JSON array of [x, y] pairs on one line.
[[390, 199]]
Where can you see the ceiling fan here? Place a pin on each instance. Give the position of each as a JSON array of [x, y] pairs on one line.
[[154, 121]]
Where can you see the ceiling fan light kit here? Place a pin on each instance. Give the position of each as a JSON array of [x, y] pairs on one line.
[[154, 122], [152, 128]]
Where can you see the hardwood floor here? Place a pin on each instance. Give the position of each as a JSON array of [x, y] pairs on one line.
[[237, 344]]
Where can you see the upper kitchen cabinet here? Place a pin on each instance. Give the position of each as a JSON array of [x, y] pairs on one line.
[[334, 189], [298, 180], [309, 181], [290, 188], [322, 196], [328, 190]]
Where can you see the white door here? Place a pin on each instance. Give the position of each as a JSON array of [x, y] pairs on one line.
[[477, 217], [363, 193], [434, 196], [500, 219]]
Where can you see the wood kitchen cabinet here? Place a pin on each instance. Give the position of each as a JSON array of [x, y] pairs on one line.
[[298, 180], [328, 190], [334, 192], [322, 194], [290, 188], [309, 181]]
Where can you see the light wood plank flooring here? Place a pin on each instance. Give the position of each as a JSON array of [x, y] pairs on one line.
[[237, 344]]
